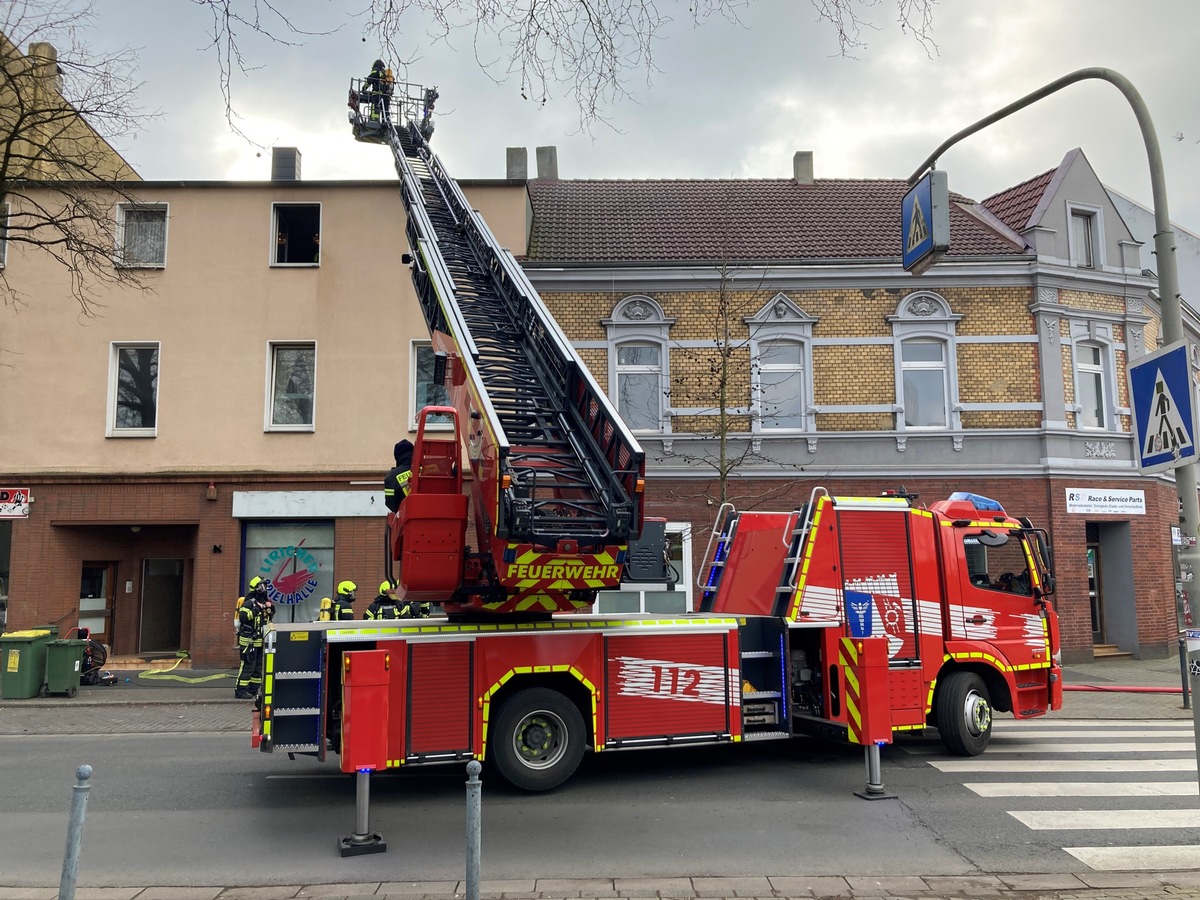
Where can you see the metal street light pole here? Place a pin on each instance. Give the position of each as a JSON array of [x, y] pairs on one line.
[[1168, 273]]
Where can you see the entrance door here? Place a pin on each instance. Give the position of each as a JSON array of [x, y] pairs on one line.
[[162, 605], [1094, 593], [97, 586]]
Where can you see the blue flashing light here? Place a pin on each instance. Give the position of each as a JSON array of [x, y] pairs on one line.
[[978, 501], [510, 554]]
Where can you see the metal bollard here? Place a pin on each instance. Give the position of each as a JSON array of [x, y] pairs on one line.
[[1183, 672], [474, 822], [66, 883]]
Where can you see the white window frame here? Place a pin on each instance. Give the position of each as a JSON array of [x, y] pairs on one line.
[[413, 408], [122, 210], [1096, 232], [680, 535], [781, 320], [924, 315], [638, 319], [114, 373], [269, 412], [275, 235], [1097, 335]]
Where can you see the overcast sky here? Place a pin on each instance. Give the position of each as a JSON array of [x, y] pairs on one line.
[[731, 100]]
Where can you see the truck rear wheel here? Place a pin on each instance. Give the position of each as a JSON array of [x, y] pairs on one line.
[[538, 740], [964, 714]]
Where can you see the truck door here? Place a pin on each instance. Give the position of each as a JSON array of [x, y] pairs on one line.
[[997, 603]]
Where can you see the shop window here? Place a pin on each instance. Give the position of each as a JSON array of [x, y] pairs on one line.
[[296, 559], [292, 387], [297, 230], [133, 390], [142, 235], [660, 599]]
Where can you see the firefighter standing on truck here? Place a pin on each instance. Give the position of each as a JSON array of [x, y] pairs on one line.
[[343, 606], [253, 614]]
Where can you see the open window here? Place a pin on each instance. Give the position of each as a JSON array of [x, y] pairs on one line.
[[297, 230]]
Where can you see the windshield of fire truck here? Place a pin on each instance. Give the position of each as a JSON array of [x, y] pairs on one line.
[[996, 561]]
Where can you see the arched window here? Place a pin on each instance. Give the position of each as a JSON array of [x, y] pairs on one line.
[[923, 330], [638, 363], [781, 391]]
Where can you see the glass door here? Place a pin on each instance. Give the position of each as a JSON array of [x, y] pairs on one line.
[[1093, 569], [96, 587]]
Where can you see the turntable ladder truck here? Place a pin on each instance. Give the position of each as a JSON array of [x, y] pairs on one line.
[[851, 617]]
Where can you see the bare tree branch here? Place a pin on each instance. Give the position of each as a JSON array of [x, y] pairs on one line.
[[590, 49], [59, 176]]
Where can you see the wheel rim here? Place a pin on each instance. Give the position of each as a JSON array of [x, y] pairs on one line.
[[539, 739], [977, 713]]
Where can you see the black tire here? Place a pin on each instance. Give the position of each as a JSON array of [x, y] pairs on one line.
[[72, 691], [44, 690], [964, 714], [538, 740]]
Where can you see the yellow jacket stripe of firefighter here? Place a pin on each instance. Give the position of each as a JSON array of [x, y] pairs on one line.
[[342, 611], [383, 608], [396, 482]]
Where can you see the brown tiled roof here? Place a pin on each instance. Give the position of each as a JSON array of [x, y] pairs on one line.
[[583, 221], [1015, 206]]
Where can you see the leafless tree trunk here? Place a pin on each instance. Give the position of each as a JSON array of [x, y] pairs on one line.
[[59, 176]]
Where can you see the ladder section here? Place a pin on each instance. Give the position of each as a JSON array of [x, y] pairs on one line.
[[764, 671], [573, 467], [293, 693]]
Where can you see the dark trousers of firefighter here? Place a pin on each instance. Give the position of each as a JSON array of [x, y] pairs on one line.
[[250, 672]]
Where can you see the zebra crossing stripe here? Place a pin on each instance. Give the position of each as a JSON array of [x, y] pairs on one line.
[[1083, 724], [1109, 859], [1082, 788], [1064, 765], [1100, 733], [1098, 747], [1075, 819]]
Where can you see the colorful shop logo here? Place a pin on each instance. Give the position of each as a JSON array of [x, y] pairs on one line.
[[291, 574]]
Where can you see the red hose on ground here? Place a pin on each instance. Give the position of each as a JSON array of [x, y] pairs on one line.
[[1122, 689]]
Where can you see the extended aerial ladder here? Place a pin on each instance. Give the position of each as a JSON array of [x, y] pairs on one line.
[[557, 477]]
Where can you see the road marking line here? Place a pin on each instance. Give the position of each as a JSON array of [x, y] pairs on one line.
[[1059, 722], [1073, 819], [1083, 788], [1102, 747], [1064, 765], [1165, 858], [1011, 734]]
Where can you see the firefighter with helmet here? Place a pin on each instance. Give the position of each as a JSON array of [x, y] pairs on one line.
[[343, 606], [384, 606], [253, 614]]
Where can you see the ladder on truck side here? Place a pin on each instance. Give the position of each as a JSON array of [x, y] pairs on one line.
[[558, 477]]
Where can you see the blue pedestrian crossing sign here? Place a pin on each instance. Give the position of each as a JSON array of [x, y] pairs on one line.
[[925, 222], [1164, 409]]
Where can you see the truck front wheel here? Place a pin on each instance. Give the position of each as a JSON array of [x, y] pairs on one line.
[[538, 741], [964, 714]]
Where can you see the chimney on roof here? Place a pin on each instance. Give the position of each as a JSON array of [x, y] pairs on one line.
[[285, 164], [547, 162], [802, 167], [516, 163], [43, 57]]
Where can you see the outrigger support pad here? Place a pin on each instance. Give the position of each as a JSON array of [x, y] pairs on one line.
[[363, 841]]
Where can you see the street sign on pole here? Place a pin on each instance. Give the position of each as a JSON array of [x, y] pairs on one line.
[[925, 222], [1164, 409]]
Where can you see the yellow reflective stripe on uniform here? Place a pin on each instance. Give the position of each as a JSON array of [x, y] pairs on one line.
[[403, 479]]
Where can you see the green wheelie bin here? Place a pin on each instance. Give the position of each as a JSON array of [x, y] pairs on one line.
[[23, 662], [64, 665]]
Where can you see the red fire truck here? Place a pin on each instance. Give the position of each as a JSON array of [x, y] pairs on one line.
[[852, 616]]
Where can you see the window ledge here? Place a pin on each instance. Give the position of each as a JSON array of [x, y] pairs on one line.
[[132, 433]]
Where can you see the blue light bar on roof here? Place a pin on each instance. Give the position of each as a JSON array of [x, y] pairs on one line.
[[978, 501]]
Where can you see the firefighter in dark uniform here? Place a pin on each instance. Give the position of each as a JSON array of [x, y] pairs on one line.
[[384, 606], [253, 615], [395, 483], [343, 606]]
